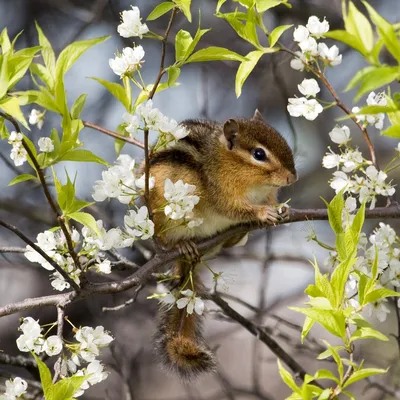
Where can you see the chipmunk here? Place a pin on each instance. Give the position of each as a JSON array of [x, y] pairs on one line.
[[237, 168]]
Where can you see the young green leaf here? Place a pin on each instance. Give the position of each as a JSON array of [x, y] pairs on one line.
[[48, 55], [358, 25], [84, 156], [379, 294], [116, 90], [287, 377], [333, 351], [393, 131], [86, 220], [362, 374], [219, 5], [22, 178], [277, 33], [214, 54], [78, 105], [184, 6], [45, 376], [367, 333], [358, 77], [10, 105], [183, 40], [173, 75], [160, 10], [335, 210], [5, 43], [245, 69], [325, 374], [3, 129], [347, 38], [264, 5], [66, 388], [308, 324]]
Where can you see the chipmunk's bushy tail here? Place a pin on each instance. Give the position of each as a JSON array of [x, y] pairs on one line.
[[179, 341]]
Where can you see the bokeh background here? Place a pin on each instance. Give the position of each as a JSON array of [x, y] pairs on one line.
[[270, 272]]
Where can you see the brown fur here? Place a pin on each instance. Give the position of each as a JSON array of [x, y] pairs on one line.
[[233, 187]]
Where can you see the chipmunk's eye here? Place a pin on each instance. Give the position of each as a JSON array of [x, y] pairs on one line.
[[259, 154]]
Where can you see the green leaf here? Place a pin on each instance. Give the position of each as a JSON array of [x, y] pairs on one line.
[[245, 69], [333, 351], [393, 131], [3, 129], [83, 155], [45, 376], [386, 32], [367, 333], [86, 220], [277, 33], [377, 78], [328, 353], [67, 387], [78, 105], [18, 64], [323, 285], [116, 90], [184, 6], [325, 394], [43, 74], [332, 321], [214, 54], [308, 324], [72, 52], [287, 377], [160, 10], [219, 5], [379, 294], [358, 77], [347, 38], [264, 5], [22, 178], [358, 25], [362, 374], [377, 109], [10, 105], [5, 43], [48, 55], [183, 40], [65, 193], [173, 75], [335, 210], [325, 374]]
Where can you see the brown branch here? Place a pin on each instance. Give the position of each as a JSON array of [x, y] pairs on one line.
[[12, 250], [260, 333], [140, 276], [42, 253], [113, 134]]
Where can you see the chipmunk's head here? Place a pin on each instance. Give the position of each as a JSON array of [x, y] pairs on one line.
[[262, 155]]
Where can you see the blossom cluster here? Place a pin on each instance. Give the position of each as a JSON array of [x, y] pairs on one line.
[[86, 349], [355, 175], [375, 119], [181, 201], [184, 298], [130, 59], [303, 106], [169, 129], [311, 50], [18, 153], [384, 242], [15, 388]]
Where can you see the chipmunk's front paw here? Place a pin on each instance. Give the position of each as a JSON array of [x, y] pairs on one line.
[[270, 215], [284, 212], [189, 251]]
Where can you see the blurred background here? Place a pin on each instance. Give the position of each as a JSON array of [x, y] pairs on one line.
[[269, 273]]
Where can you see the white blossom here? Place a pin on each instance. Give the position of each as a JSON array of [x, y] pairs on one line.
[[309, 46], [350, 204], [316, 27], [298, 63], [46, 145], [36, 118], [15, 138], [378, 309], [331, 160], [340, 134], [140, 183], [138, 224], [18, 154], [300, 34], [191, 302], [53, 345], [309, 87], [309, 109], [372, 119], [104, 267], [340, 181], [133, 122], [91, 340], [167, 300], [15, 388], [131, 25], [30, 327], [330, 55], [127, 62]]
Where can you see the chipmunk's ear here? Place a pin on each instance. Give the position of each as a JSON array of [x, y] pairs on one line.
[[231, 129], [257, 116]]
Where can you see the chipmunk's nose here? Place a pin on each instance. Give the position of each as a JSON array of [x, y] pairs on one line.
[[292, 178]]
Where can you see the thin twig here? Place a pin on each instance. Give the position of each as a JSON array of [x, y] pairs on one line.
[[113, 134], [126, 303], [60, 332], [42, 253], [12, 250]]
